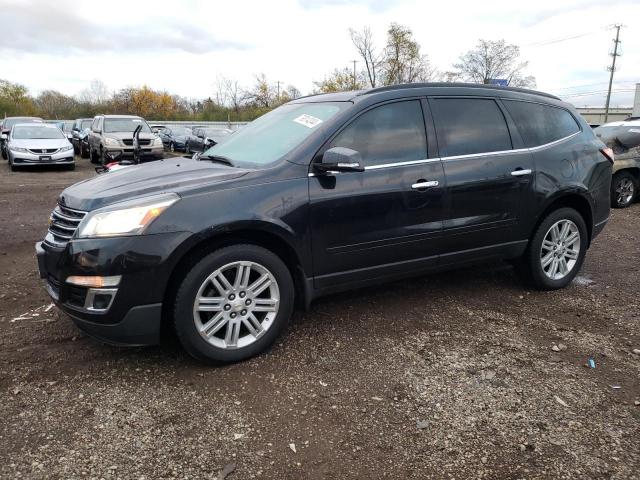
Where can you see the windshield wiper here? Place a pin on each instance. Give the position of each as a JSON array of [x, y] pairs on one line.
[[217, 158]]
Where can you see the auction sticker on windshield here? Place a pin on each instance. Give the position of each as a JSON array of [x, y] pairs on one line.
[[307, 120]]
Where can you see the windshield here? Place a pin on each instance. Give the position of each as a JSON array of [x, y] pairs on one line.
[[112, 125], [85, 124], [180, 131], [39, 132], [275, 134], [10, 122]]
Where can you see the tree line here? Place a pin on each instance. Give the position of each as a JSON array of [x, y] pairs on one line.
[[399, 60]]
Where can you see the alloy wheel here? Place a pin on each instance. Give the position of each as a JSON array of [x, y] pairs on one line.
[[625, 190], [236, 305], [560, 249]]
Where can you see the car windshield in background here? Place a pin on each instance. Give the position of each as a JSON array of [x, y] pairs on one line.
[[40, 132], [10, 122], [216, 132], [85, 124], [272, 136], [112, 125]]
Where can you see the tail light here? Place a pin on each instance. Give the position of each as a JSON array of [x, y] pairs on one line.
[[607, 152]]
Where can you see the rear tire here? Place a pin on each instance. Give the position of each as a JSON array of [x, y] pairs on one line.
[[83, 152], [234, 330], [550, 246], [624, 188]]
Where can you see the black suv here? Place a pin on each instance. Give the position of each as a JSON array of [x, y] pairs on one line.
[[327, 193]]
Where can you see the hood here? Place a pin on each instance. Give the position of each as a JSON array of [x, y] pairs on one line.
[[177, 175], [122, 135], [39, 143]]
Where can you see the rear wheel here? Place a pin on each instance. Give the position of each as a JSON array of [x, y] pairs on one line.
[[623, 189], [233, 303], [556, 251], [84, 153]]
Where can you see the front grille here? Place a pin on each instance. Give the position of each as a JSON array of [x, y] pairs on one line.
[[62, 225], [141, 142], [40, 151]]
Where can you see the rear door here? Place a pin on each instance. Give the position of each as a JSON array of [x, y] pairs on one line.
[[489, 177], [387, 219]]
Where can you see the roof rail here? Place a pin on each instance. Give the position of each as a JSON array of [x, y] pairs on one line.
[[403, 86]]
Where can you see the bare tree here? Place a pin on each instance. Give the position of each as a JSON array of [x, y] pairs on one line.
[[340, 81], [372, 59], [494, 60], [403, 62], [96, 94], [262, 94]]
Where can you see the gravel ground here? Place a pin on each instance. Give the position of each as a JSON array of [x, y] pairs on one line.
[[466, 374]]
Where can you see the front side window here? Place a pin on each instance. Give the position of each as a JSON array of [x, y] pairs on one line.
[[541, 124], [467, 126], [389, 133], [275, 134]]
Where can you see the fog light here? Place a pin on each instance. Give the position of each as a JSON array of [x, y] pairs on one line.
[[94, 281], [101, 301]]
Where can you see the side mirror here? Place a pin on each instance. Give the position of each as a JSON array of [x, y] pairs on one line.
[[340, 159], [210, 142]]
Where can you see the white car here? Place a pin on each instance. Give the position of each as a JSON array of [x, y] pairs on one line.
[[32, 144]]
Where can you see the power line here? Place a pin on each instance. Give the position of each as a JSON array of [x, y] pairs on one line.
[[601, 93], [561, 39], [593, 85]]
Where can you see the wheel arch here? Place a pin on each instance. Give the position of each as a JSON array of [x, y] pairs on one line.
[[261, 234], [579, 201]]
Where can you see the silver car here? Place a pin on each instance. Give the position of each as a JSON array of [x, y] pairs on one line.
[[38, 144]]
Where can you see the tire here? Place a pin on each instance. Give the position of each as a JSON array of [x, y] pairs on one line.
[[83, 152], [624, 189], [234, 315], [4, 154], [14, 168], [531, 264], [92, 156]]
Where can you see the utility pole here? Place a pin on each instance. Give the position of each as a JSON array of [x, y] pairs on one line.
[[615, 55], [354, 73], [278, 89]]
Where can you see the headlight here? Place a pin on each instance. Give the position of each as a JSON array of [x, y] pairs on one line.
[[66, 149], [18, 149], [157, 142], [126, 218], [111, 142]]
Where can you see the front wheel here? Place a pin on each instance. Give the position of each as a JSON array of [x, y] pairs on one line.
[[556, 251], [233, 304], [623, 189]]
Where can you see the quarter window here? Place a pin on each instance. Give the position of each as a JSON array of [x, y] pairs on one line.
[[387, 134], [467, 126], [541, 124]]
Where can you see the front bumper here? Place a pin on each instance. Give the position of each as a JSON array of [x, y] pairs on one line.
[[22, 158], [134, 308], [126, 153]]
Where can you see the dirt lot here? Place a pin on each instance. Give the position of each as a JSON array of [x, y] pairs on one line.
[[444, 376]]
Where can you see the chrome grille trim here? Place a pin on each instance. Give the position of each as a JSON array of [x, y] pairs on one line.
[[63, 223]]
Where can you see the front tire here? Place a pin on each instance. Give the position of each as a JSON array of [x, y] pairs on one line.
[[233, 304], [623, 189], [556, 251]]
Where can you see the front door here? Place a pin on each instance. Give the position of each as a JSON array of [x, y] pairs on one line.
[[489, 182], [386, 219]]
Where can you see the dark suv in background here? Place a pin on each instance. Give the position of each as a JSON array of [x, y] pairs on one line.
[[324, 194]]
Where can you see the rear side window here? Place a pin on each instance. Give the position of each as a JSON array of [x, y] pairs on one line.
[[387, 134], [540, 124], [467, 126]]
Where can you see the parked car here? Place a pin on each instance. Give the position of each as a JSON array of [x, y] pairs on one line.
[[204, 138], [7, 124], [324, 194], [175, 138], [111, 138], [624, 139], [79, 126], [32, 144]]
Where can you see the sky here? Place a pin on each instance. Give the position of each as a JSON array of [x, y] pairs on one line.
[[183, 46]]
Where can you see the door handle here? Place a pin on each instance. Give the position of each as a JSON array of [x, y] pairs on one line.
[[425, 184], [520, 172]]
